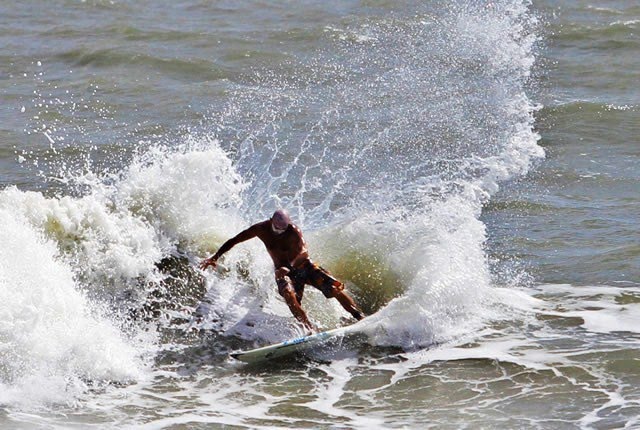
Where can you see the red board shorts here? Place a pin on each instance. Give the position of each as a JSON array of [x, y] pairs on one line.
[[311, 274]]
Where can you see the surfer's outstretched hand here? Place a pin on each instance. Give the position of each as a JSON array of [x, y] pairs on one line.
[[209, 262]]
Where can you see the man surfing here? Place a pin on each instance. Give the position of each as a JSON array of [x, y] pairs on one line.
[[293, 267]]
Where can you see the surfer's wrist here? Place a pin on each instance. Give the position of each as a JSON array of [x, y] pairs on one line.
[[212, 261]]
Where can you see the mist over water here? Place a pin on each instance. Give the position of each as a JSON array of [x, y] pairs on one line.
[[386, 131]]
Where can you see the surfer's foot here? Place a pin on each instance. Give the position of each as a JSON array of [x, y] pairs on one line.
[[308, 328], [348, 304], [357, 316], [345, 321]]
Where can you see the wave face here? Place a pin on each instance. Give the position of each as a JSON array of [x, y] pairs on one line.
[[384, 145]]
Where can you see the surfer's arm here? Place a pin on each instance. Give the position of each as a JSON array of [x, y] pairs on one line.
[[300, 258], [243, 236]]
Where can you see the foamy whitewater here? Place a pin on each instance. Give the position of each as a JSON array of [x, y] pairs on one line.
[[388, 132], [55, 341]]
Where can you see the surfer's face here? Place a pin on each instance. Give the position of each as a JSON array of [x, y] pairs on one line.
[[280, 221], [277, 230]]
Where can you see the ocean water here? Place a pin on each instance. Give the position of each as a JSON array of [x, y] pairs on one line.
[[467, 168]]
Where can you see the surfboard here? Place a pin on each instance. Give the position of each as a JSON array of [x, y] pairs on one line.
[[288, 347]]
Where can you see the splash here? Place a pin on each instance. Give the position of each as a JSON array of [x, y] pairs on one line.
[[54, 342], [385, 149], [67, 263]]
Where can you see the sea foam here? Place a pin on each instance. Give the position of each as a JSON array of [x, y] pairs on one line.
[[54, 341]]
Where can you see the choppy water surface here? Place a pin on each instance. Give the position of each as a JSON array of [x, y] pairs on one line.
[[467, 168]]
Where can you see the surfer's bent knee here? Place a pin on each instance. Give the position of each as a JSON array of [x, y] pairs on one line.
[[282, 272], [285, 286], [283, 281], [333, 289]]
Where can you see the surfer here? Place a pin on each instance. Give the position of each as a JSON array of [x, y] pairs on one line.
[[293, 267]]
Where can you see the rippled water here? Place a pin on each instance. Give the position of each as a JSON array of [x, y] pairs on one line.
[[467, 168]]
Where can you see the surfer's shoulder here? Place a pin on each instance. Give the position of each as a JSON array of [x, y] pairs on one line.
[[261, 227], [263, 224], [296, 229], [252, 231]]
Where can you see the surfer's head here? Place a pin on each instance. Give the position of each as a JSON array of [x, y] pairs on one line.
[[280, 221]]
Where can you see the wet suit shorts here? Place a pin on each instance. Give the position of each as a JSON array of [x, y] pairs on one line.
[[311, 274]]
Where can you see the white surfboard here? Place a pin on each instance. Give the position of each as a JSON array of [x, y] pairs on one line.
[[288, 347]]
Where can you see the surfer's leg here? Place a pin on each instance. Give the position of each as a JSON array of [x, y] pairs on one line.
[[288, 292], [348, 304], [295, 308], [331, 287], [299, 292]]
